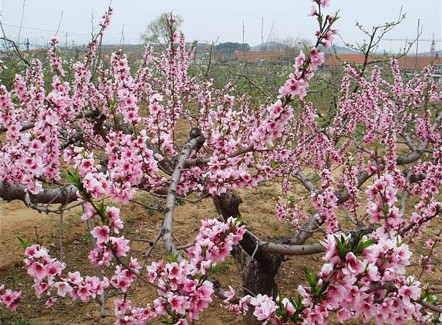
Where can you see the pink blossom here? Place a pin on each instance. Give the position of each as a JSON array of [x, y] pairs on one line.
[[353, 264], [120, 246], [37, 271], [63, 288], [101, 234], [317, 58], [324, 3], [264, 307], [9, 298]]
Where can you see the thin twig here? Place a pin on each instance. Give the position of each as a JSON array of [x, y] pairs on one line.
[[61, 229], [151, 248]]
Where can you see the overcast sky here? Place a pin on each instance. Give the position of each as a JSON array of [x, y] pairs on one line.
[[219, 21]]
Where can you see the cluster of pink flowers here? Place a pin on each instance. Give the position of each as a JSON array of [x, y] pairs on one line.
[[326, 205], [9, 298], [28, 156], [124, 276], [266, 309], [181, 296], [93, 45], [127, 104], [182, 288], [297, 84], [291, 212], [106, 246], [372, 286], [214, 243], [133, 159], [56, 63], [381, 203], [130, 164], [48, 278]]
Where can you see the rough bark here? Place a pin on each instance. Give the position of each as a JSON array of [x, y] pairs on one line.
[[257, 268], [63, 195]]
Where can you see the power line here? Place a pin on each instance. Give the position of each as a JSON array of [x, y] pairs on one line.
[[410, 40], [45, 30], [61, 31]]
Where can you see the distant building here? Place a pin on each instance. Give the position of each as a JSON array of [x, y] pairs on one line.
[[408, 64], [336, 61], [412, 64], [261, 57]]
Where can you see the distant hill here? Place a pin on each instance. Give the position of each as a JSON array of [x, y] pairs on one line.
[[340, 50], [270, 47], [437, 53]]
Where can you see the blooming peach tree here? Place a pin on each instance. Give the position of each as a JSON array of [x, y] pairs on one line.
[[371, 166]]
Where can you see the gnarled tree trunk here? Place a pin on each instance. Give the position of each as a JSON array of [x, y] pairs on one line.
[[257, 268]]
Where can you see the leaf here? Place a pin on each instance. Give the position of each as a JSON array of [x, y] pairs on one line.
[[363, 244], [180, 202], [312, 280], [24, 243], [172, 258], [75, 179], [342, 245]]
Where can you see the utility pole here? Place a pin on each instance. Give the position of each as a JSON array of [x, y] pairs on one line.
[[3, 32], [243, 38], [417, 43], [1, 20], [433, 47], [262, 34], [21, 21]]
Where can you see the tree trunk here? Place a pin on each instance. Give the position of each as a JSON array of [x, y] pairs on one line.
[[257, 269]]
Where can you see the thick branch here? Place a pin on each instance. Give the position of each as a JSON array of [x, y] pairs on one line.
[[29, 125], [341, 195], [192, 143], [64, 195], [291, 250], [307, 229], [418, 151], [227, 204], [201, 161], [361, 179], [429, 306], [413, 224], [25, 126], [307, 182]]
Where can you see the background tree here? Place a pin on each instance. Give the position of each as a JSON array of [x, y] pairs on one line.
[[228, 49], [159, 30]]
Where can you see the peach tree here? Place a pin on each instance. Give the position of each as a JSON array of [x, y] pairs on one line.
[[371, 166]]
